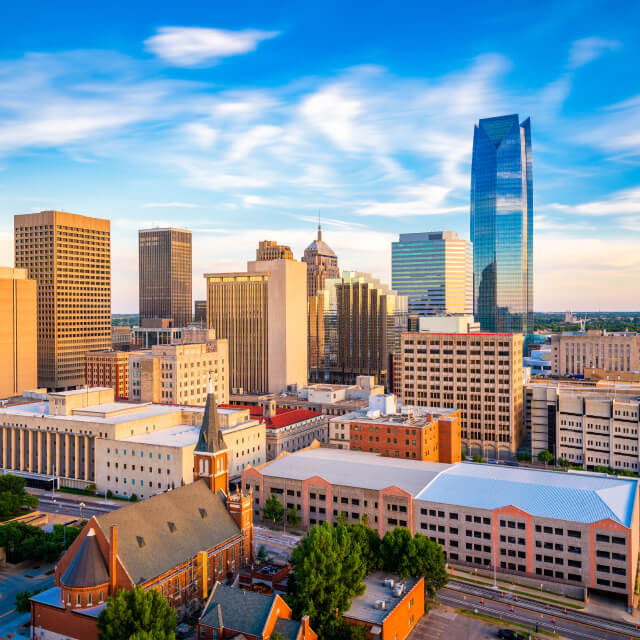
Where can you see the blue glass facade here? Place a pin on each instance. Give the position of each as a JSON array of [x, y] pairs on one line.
[[502, 224]]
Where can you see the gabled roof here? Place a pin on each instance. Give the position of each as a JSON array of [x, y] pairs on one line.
[[88, 568], [160, 533], [284, 417], [210, 439], [237, 610]]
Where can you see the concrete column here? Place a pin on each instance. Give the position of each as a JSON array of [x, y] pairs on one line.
[[49, 460], [5, 453], [59, 469], [67, 457], [87, 444], [38, 440], [20, 466], [76, 453], [31, 450], [13, 447]]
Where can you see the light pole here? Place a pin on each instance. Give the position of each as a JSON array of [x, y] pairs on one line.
[[82, 505], [495, 562]]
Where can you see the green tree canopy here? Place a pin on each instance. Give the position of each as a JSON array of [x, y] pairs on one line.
[[327, 575], [144, 615], [13, 495], [273, 509], [369, 542], [395, 551], [478, 458], [293, 517], [545, 456]]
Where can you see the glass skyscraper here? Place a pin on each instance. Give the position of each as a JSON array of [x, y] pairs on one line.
[[502, 224], [434, 271]]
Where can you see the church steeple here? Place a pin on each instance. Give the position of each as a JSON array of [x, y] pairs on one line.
[[210, 456]]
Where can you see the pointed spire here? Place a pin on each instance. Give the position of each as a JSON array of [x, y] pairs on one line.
[[319, 228], [210, 439]]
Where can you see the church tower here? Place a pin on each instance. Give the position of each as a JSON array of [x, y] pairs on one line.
[[211, 457]]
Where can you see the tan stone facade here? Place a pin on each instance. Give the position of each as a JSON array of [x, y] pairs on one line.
[[18, 332], [262, 313], [69, 256], [271, 250], [577, 353], [179, 374], [478, 373]]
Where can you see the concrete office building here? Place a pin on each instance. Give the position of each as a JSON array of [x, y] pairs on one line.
[[179, 373], [108, 368], [147, 337], [121, 338], [69, 256], [355, 324], [200, 312], [322, 264], [271, 250], [18, 332], [447, 324], [262, 312], [478, 373], [435, 272], [565, 529], [576, 353], [431, 434], [164, 258]]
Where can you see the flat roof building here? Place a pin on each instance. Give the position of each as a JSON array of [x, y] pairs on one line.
[[572, 528], [108, 368], [271, 250]]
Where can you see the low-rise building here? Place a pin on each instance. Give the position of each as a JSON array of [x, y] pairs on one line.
[[179, 373], [389, 608], [108, 368], [236, 613], [447, 324], [121, 338], [571, 528], [419, 433], [288, 429]]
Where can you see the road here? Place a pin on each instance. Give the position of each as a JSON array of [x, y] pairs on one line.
[[70, 504], [278, 543], [574, 624]]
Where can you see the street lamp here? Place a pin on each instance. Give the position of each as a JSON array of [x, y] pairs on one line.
[[82, 505]]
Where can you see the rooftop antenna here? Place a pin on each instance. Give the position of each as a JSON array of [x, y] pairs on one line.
[[319, 227]]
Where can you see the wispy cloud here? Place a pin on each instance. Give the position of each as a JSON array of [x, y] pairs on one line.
[[191, 46], [586, 50], [619, 203], [170, 205]]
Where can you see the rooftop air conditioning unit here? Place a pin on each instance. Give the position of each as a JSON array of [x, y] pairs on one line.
[[398, 589], [388, 582], [381, 604]]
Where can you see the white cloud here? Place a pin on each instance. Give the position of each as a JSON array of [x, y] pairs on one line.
[[165, 205], [586, 50], [417, 200], [620, 203], [200, 135], [190, 46]]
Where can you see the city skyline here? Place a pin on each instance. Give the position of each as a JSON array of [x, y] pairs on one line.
[[241, 127]]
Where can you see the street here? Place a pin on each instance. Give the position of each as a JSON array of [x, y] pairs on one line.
[[573, 624]]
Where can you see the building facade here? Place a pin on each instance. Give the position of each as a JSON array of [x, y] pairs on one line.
[[164, 272], [430, 434], [18, 332], [179, 373], [69, 256], [484, 516], [575, 353], [355, 324], [121, 338], [263, 314], [108, 368], [502, 224], [435, 272], [446, 324], [271, 250], [322, 264], [200, 312], [478, 373]]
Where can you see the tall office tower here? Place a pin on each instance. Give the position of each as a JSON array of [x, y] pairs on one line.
[[200, 315], [322, 264], [69, 256], [478, 373], [355, 324], [271, 250], [262, 312], [502, 224], [18, 332], [434, 271], [164, 257]]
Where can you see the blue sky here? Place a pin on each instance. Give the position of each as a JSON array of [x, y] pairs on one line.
[[242, 121]]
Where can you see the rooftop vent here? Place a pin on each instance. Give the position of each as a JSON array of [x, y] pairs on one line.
[[381, 604], [388, 582], [203, 513], [398, 589], [172, 526], [141, 542]]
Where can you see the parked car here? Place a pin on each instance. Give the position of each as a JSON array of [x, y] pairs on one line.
[[508, 634]]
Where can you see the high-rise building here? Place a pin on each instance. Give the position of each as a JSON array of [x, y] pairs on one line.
[[435, 272], [164, 257], [69, 256], [355, 324], [322, 264], [200, 315], [18, 332], [478, 373], [502, 224], [262, 312], [271, 250]]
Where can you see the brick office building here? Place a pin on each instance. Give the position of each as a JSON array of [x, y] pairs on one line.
[[180, 543]]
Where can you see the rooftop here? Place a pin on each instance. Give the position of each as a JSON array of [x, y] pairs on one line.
[[182, 435], [364, 607], [418, 418], [283, 418]]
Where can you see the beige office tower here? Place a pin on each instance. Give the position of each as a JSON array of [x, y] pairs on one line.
[[262, 312], [271, 250], [165, 276], [69, 256], [478, 373], [322, 264], [18, 332]]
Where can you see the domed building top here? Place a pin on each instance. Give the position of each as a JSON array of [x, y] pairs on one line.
[[320, 246], [88, 568]]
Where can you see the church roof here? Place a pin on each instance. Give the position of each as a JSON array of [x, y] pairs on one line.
[[210, 439], [88, 568]]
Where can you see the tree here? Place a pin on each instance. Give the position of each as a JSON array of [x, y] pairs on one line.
[[478, 458], [273, 509], [293, 517], [262, 555], [13, 495], [328, 570], [134, 497], [139, 614], [427, 559], [369, 542], [15, 484], [545, 456], [563, 462], [22, 600], [524, 456]]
